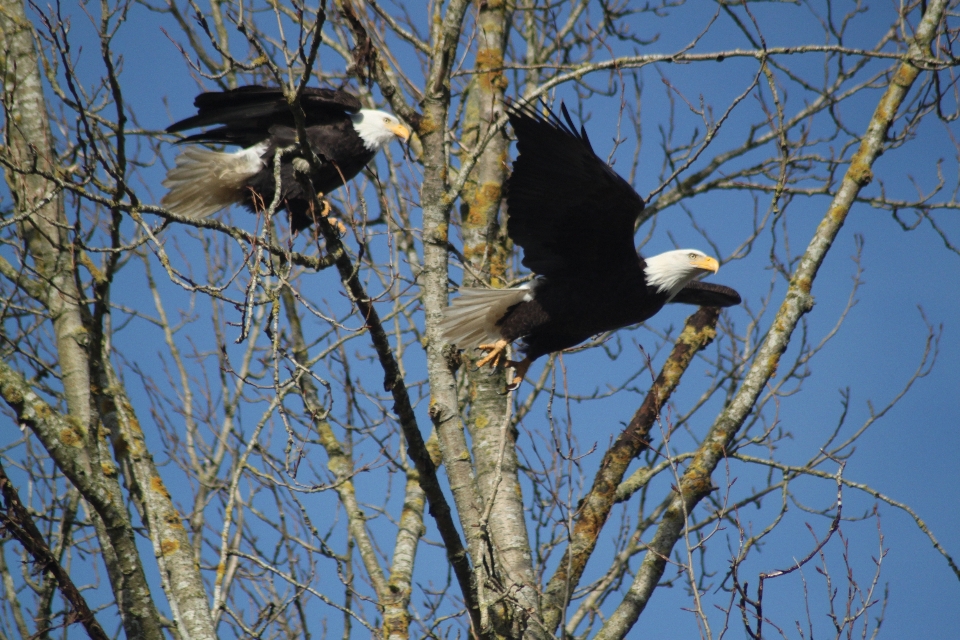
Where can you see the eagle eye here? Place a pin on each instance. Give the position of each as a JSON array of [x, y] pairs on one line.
[[693, 256]]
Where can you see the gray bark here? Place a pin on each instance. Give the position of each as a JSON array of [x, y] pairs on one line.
[[696, 481], [492, 436], [77, 450]]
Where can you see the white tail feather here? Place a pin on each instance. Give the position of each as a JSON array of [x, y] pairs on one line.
[[203, 181], [472, 318]]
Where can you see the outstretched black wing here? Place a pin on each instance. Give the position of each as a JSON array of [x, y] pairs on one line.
[[572, 214], [247, 113], [705, 294]]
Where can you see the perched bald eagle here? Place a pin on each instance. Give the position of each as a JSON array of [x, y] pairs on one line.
[[574, 218], [258, 119]]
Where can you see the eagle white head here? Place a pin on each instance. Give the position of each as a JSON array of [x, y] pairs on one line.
[[377, 128], [671, 271]]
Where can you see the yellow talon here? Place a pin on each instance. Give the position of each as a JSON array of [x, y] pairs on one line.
[[496, 353], [325, 207], [497, 356], [519, 371]]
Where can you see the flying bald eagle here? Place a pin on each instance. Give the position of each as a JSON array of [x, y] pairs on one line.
[[574, 218], [258, 119]]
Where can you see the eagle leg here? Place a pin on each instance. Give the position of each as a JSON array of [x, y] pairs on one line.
[[519, 371], [496, 353], [325, 210], [325, 207], [336, 223]]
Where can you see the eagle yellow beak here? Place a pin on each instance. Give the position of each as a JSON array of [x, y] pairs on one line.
[[706, 263], [401, 132]]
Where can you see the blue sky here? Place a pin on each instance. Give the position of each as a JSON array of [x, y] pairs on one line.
[[908, 278]]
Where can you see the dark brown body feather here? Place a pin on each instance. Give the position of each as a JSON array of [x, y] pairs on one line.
[[565, 313], [253, 114]]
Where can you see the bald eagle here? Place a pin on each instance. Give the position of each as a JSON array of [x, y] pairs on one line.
[[258, 119], [574, 218]]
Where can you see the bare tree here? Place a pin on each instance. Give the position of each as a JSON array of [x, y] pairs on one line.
[[278, 417]]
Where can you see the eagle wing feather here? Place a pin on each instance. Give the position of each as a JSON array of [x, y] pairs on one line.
[[572, 214], [247, 113]]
